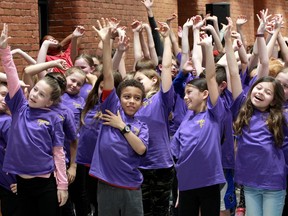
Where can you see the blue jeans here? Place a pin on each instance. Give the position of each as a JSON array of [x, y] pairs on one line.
[[262, 202]]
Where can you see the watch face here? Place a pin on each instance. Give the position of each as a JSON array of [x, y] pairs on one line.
[[127, 128]]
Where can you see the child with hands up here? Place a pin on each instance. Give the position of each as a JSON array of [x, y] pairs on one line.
[[35, 151]]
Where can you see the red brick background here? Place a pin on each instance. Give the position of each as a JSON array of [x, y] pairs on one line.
[[64, 15]]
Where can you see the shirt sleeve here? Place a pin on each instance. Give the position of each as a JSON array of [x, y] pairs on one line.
[[10, 70], [60, 168]]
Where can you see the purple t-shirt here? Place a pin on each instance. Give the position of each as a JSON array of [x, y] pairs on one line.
[[114, 161], [155, 112], [178, 113], [88, 135], [68, 121], [197, 146], [75, 103], [259, 163], [35, 132], [85, 90], [6, 179], [227, 139]]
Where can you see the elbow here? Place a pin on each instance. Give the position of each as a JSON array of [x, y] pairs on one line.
[[142, 150]]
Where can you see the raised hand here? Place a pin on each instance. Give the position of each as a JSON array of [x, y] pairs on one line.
[[263, 20], [136, 26], [4, 37], [236, 35], [198, 22], [241, 20], [123, 44], [205, 40], [212, 18], [171, 18], [163, 29], [188, 23], [228, 30], [79, 31], [147, 3], [104, 29]]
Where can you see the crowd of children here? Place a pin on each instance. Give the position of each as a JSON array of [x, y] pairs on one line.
[[80, 135]]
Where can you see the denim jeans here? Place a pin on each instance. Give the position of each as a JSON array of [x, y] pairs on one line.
[[262, 202]]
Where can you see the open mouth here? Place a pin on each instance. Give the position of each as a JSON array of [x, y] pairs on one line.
[[258, 98]]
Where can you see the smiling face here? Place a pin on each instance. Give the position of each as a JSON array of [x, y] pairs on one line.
[[131, 100], [195, 99], [74, 83], [40, 95], [262, 95]]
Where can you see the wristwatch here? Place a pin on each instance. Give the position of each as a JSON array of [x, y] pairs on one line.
[[126, 129]]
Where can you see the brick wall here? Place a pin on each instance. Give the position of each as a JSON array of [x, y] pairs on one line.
[[22, 17], [68, 14]]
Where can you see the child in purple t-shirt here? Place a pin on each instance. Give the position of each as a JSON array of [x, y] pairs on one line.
[[260, 127], [122, 140], [35, 151], [197, 144], [8, 187]]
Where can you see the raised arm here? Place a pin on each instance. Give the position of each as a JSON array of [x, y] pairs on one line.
[[215, 35], [136, 28], [206, 43], [151, 45], [25, 55], [235, 80], [166, 75], [174, 40], [75, 41], [241, 20], [263, 65], [214, 20], [42, 68], [197, 55], [119, 56], [105, 34], [156, 37], [8, 63], [185, 42]]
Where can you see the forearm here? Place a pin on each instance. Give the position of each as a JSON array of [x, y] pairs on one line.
[[197, 52], [137, 47], [156, 36], [27, 57], [166, 76], [236, 85], [144, 46], [60, 168], [10, 70]]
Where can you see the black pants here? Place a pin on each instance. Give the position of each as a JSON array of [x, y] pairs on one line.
[[38, 196], [207, 199], [77, 195], [91, 187], [9, 202], [156, 190]]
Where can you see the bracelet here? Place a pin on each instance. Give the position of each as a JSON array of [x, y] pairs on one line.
[[259, 35]]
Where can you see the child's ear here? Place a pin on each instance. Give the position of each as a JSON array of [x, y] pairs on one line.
[[154, 79], [223, 85], [160, 67], [50, 103], [205, 94]]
